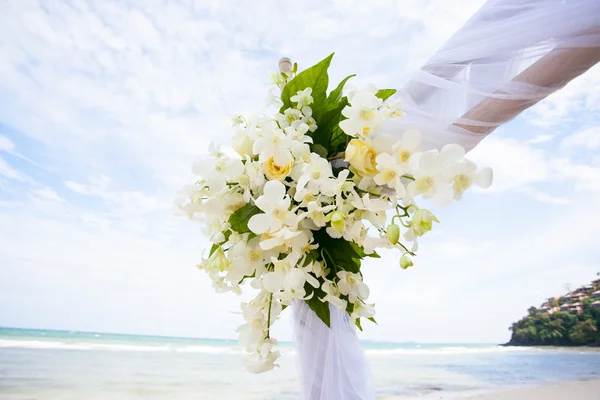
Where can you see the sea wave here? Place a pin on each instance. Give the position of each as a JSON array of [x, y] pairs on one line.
[[208, 349], [43, 344], [444, 350]]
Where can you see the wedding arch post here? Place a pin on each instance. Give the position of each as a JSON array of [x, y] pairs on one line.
[[285, 64]]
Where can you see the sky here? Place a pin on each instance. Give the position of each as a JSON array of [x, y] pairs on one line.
[[104, 106]]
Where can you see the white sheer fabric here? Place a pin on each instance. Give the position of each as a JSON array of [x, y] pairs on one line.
[[510, 55], [331, 361]]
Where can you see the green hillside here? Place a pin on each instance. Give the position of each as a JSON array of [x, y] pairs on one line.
[[569, 320]]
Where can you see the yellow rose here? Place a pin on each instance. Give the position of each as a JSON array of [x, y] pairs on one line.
[[276, 172], [361, 157]]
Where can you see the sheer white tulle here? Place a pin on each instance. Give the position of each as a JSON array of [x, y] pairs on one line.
[[331, 361], [510, 55]]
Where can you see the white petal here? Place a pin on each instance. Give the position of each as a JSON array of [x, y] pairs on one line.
[[363, 290], [451, 153], [385, 162], [484, 178], [429, 161], [273, 282], [260, 223], [379, 179], [283, 157], [274, 190], [443, 195], [411, 139], [294, 279], [268, 244]]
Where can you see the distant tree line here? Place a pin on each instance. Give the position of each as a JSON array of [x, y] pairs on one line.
[[559, 328]]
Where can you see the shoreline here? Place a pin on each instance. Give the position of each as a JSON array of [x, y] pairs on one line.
[[550, 347]]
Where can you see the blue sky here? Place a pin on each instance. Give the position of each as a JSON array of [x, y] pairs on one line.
[[105, 105]]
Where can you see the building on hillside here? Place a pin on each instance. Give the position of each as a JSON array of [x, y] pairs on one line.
[[596, 281], [595, 304], [576, 308], [549, 310], [578, 296], [572, 308], [596, 295], [587, 289]]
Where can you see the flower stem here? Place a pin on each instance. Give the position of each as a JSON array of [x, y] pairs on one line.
[[269, 316]]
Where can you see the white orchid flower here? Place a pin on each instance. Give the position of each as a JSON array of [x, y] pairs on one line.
[[332, 295], [315, 174], [275, 143], [289, 117], [363, 115], [298, 133], [316, 213], [408, 146], [369, 204], [275, 204], [273, 281], [303, 97], [429, 179], [390, 172], [351, 285], [465, 173]]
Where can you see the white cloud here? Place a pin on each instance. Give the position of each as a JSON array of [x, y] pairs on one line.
[[9, 172], [46, 194], [130, 96], [541, 139], [6, 145], [588, 138], [521, 166], [580, 95]]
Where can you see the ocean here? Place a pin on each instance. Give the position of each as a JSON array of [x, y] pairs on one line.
[[44, 364]]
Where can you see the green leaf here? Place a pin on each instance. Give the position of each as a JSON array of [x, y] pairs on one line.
[[339, 252], [385, 94], [311, 256], [328, 122], [361, 251], [320, 150], [315, 77], [336, 94], [358, 324], [239, 219], [372, 320], [319, 307], [213, 249]]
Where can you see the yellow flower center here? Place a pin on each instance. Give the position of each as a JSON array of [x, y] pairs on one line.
[[404, 156], [424, 184], [389, 175], [244, 180], [461, 183], [255, 256], [366, 114]]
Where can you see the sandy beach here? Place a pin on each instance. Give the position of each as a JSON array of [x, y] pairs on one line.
[[574, 390], [577, 390]]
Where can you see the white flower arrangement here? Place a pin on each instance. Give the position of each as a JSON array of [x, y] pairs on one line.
[[293, 226]]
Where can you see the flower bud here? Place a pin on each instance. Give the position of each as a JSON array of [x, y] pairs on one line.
[[405, 262], [422, 221], [218, 261], [337, 221], [393, 233]]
